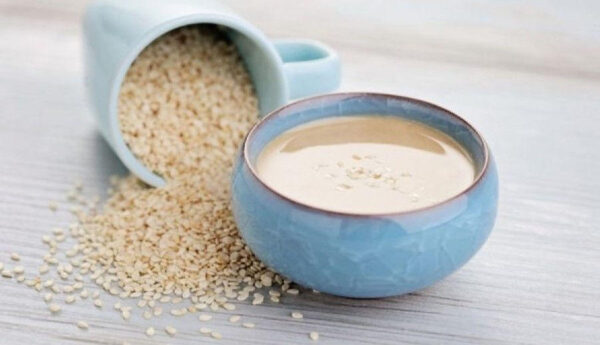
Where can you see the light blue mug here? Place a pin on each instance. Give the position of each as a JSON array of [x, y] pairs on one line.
[[116, 31]]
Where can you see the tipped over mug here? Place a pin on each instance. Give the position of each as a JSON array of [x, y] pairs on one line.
[[116, 32]]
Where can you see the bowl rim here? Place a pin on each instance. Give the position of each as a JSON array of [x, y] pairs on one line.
[[277, 114]]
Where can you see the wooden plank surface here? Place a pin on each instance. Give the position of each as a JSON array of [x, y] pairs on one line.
[[527, 74]]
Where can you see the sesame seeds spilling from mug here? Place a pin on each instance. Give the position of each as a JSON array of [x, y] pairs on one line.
[[184, 108], [186, 103]]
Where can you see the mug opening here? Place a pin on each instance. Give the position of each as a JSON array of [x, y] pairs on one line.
[[356, 103], [260, 59]]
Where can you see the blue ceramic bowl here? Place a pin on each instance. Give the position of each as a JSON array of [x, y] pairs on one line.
[[357, 255]]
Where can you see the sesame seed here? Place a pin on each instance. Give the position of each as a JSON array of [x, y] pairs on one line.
[[54, 308], [170, 330], [70, 299], [150, 331], [297, 315], [248, 325], [48, 297], [52, 206], [204, 317], [98, 303], [234, 318], [314, 336], [82, 325], [84, 294], [216, 335], [18, 269], [293, 291], [6, 273], [44, 269], [15, 257]]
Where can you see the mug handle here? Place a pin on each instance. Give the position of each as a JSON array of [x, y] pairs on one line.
[[310, 67]]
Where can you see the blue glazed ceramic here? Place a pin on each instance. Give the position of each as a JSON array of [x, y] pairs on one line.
[[363, 255], [116, 31]]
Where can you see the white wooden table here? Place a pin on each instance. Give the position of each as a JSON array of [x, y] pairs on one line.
[[527, 74]]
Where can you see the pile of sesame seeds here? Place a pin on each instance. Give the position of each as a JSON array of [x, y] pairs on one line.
[[184, 107]]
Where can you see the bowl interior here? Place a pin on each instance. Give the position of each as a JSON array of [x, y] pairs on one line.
[[351, 104]]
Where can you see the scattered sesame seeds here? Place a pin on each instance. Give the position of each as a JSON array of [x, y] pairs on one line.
[[82, 325], [297, 315], [144, 244], [314, 336]]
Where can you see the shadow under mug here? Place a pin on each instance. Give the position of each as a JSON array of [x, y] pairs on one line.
[[363, 255], [116, 31]]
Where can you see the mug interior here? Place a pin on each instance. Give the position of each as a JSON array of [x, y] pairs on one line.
[[360, 104]]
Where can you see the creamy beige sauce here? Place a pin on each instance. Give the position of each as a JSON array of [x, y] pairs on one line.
[[365, 164]]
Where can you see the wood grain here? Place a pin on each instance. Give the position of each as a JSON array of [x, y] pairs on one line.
[[527, 74]]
